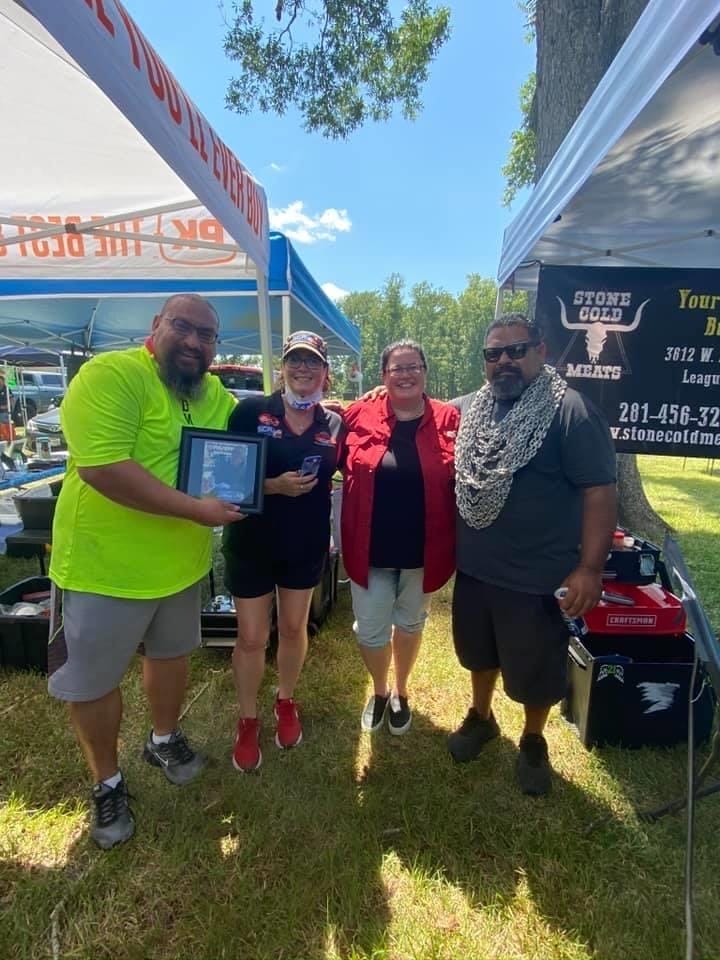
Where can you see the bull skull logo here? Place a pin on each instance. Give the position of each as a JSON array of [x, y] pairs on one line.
[[596, 331]]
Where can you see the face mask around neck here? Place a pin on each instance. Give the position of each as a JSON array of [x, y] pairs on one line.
[[302, 403]]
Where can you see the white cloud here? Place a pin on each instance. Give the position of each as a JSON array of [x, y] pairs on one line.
[[305, 228], [334, 291]]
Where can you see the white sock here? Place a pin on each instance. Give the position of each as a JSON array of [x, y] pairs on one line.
[[157, 740], [113, 781]]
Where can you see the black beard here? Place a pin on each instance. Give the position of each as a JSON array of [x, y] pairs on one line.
[[185, 385], [508, 387]]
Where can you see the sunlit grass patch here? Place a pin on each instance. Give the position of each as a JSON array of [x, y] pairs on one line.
[[356, 846]]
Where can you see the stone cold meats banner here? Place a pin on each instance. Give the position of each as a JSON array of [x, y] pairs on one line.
[[644, 345]]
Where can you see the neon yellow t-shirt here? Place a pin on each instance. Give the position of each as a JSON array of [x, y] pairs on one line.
[[117, 408]]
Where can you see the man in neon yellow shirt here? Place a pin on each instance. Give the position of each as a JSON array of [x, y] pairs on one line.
[[129, 550]]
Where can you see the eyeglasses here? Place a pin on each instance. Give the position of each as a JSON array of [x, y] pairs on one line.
[[185, 328], [515, 351], [400, 369], [312, 362]]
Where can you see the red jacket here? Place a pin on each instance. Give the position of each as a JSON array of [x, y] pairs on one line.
[[369, 424]]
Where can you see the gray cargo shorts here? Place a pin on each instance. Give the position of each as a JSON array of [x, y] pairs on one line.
[[94, 639]]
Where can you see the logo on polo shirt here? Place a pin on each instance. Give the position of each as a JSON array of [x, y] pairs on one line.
[[269, 420], [325, 440]]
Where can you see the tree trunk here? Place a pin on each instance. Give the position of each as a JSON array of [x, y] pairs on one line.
[[634, 510], [576, 42]]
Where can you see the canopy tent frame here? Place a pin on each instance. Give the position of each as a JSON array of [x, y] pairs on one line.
[[207, 233], [93, 51], [95, 226], [286, 271], [652, 119]]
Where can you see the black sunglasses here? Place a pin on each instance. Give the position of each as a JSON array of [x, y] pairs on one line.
[[515, 351]]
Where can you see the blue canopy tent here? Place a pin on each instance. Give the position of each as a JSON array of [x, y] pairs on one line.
[[96, 315]]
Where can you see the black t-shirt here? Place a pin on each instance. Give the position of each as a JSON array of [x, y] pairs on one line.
[[535, 541], [299, 526], [397, 536]]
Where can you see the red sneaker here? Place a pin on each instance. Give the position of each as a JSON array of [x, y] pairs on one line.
[[247, 755], [289, 728]]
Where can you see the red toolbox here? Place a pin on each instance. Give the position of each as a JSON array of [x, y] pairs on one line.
[[647, 609]]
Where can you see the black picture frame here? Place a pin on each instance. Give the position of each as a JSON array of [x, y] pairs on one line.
[[229, 466]]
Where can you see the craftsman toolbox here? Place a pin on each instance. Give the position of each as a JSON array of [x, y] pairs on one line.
[[629, 672]]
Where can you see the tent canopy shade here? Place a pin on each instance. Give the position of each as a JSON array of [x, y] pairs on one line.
[[29, 357], [636, 181], [112, 313]]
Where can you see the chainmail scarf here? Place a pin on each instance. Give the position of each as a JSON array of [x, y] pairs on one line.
[[487, 454]]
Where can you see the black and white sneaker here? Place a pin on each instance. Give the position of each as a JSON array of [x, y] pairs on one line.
[[179, 762], [374, 713], [399, 715], [114, 822]]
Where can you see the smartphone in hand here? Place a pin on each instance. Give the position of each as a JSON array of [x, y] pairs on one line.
[[310, 466]]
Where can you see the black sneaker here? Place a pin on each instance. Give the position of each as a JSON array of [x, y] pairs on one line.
[[179, 762], [533, 769], [374, 713], [399, 715], [467, 741], [114, 822]]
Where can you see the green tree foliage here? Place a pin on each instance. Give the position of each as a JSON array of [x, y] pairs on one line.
[[339, 62], [519, 171], [450, 329], [521, 166]]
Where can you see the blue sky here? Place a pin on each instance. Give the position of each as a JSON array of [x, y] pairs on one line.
[[420, 199]]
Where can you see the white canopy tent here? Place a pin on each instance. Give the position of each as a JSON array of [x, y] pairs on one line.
[[109, 169], [636, 182]]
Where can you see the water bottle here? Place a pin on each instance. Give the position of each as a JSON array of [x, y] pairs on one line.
[[576, 625]]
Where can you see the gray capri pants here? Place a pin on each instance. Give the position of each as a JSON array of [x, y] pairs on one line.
[[392, 598], [93, 643]]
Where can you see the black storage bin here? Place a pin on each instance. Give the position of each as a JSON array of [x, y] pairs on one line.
[[636, 564], [632, 690], [36, 513], [24, 640]]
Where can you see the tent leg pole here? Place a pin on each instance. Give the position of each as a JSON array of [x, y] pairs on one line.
[[265, 332], [286, 328], [499, 302]]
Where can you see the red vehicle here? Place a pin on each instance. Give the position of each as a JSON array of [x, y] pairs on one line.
[[240, 380]]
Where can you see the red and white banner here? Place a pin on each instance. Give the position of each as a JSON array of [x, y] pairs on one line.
[[95, 126]]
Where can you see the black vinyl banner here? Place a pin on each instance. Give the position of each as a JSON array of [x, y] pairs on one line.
[[644, 345]]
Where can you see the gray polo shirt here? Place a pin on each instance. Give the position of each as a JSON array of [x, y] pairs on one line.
[[534, 542]]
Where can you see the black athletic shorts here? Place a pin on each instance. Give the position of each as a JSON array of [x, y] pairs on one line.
[[522, 634], [256, 573]]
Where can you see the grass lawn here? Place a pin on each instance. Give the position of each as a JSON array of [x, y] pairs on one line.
[[357, 847]]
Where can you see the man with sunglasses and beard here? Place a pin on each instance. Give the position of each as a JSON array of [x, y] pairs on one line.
[[129, 550], [535, 491]]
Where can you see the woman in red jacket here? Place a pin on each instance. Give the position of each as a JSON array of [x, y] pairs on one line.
[[398, 523]]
